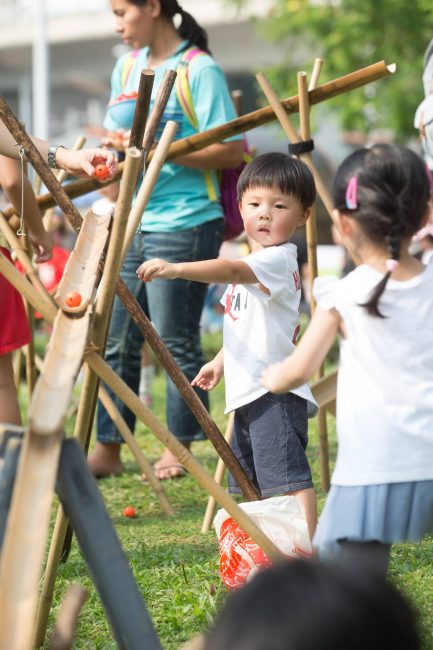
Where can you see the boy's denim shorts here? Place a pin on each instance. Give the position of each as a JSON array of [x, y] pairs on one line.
[[269, 440]]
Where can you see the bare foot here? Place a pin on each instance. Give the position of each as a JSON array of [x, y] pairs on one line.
[[168, 466], [105, 460]]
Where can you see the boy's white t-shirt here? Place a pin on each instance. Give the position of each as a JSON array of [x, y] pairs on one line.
[[260, 328], [385, 378]]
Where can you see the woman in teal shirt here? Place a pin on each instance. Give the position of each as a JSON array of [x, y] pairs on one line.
[[182, 222]]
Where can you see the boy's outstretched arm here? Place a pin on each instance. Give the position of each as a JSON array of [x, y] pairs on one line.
[[310, 353], [211, 373], [220, 271]]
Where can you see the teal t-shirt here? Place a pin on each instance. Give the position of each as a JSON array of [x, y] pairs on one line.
[[180, 199]]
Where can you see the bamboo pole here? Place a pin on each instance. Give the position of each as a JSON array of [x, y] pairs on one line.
[[184, 456], [142, 461], [246, 122], [304, 114], [219, 475], [158, 109], [67, 617], [148, 184], [145, 86], [144, 325], [23, 257], [315, 74], [293, 137], [25, 538]]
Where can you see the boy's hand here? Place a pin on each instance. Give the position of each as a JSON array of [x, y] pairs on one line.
[[209, 376], [156, 268], [273, 378]]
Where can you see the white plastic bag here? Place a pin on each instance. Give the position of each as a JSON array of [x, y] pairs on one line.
[[282, 519]]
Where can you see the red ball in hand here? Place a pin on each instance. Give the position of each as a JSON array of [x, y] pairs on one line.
[[73, 299], [101, 171], [129, 511]]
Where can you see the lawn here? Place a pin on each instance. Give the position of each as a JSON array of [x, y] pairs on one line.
[[175, 566]]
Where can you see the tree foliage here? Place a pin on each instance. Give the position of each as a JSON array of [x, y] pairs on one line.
[[350, 34]]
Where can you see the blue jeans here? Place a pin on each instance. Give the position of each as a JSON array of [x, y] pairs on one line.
[[174, 307]]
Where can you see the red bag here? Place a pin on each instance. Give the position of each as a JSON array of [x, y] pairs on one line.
[[282, 519]]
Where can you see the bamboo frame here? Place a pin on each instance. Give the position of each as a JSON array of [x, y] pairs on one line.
[[246, 122], [144, 325], [104, 372], [218, 476], [304, 114]]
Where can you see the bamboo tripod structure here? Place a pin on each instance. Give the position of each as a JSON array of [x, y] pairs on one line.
[[95, 362], [246, 122]]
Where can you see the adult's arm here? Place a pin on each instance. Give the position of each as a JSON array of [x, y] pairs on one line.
[[11, 181], [76, 163]]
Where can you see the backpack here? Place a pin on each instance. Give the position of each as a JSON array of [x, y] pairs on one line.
[[228, 178]]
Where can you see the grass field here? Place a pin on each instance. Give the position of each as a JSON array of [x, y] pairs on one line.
[[176, 567]]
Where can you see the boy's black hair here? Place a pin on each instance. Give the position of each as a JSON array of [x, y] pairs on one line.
[[306, 605], [393, 191], [289, 175], [189, 28]]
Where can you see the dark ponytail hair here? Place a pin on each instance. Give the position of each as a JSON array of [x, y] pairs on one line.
[[189, 28], [392, 193]]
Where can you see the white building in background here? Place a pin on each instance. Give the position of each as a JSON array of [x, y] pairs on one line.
[[83, 47]]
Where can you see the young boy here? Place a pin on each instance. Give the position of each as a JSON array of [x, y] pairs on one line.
[[261, 325]]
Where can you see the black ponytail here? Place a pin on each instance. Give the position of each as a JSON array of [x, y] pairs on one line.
[[392, 196], [189, 28]]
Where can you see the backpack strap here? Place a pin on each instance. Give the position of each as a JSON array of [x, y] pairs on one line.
[[184, 96], [128, 66]]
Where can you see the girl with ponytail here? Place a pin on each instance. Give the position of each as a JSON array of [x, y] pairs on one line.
[[183, 219], [382, 486]]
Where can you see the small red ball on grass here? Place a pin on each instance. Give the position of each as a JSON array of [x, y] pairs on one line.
[[73, 299], [129, 511], [101, 171]]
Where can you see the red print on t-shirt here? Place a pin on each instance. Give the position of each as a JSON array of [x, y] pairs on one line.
[[230, 298]]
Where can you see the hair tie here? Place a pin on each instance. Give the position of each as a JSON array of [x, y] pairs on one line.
[[391, 265], [352, 193], [177, 19]]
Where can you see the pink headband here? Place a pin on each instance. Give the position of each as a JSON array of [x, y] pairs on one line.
[[352, 193]]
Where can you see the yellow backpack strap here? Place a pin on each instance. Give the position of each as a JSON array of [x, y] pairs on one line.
[[184, 96], [128, 65]]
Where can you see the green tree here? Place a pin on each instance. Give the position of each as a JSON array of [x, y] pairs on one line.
[[351, 34]]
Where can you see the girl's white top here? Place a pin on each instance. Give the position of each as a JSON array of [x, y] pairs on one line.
[[262, 328], [385, 378]]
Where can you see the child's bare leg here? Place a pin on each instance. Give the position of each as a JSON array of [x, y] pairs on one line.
[[307, 498], [9, 409]]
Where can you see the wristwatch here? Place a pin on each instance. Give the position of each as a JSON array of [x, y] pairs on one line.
[[52, 155]]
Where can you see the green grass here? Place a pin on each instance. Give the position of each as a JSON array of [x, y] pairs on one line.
[[175, 566]]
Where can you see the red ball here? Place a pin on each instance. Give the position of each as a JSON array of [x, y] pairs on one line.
[[101, 171], [129, 511], [73, 299]]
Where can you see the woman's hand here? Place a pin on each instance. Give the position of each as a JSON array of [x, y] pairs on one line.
[[84, 161], [209, 375], [42, 245], [156, 268]]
